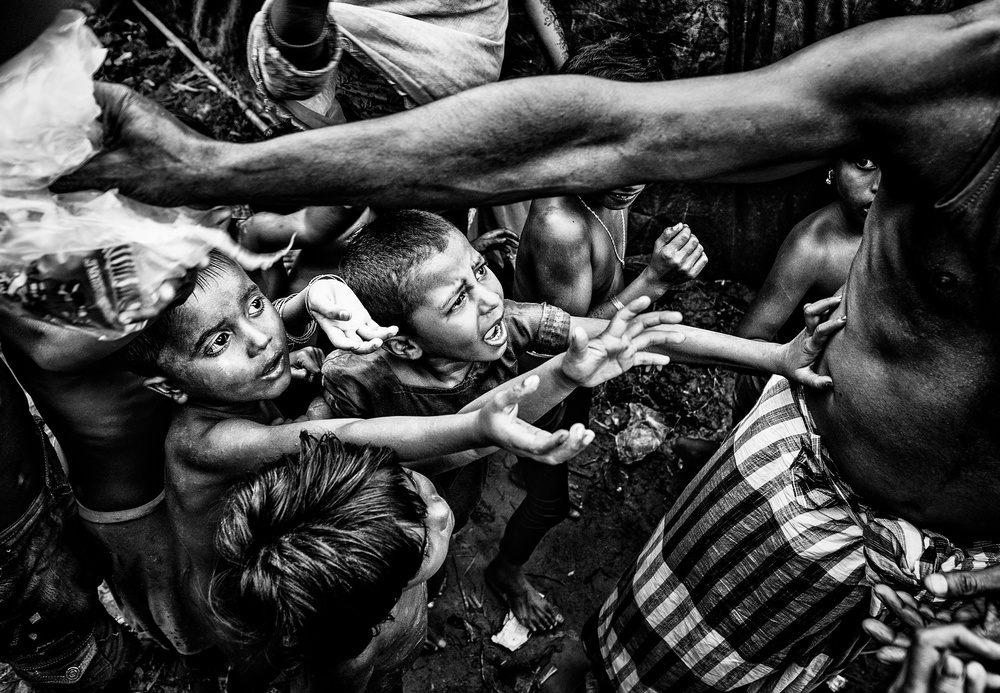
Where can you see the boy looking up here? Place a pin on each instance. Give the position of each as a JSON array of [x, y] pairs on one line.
[[458, 338], [351, 538]]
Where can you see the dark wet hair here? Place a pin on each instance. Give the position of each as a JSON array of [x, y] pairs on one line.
[[620, 57], [314, 551], [379, 262], [142, 354]]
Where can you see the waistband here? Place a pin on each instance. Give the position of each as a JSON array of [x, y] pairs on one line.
[[115, 516]]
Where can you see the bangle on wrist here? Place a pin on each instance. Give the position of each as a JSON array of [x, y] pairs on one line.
[[616, 302], [310, 330]]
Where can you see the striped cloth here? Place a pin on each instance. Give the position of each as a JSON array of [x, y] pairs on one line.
[[757, 575]]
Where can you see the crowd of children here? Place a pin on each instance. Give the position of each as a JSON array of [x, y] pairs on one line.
[[238, 512]]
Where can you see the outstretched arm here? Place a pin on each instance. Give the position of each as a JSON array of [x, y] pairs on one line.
[[885, 87]]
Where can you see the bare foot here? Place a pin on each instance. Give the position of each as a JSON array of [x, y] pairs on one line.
[[531, 608]]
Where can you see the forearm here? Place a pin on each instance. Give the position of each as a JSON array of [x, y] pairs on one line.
[[643, 285], [417, 437], [707, 348], [553, 388]]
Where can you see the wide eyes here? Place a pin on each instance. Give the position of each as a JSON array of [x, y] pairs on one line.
[[218, 344], [256, 305], [865, 164], [480, 271]]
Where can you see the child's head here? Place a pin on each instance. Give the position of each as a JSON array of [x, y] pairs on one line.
[[417, 271], [315, 551], [622, 58], [857, 180], [224, 342]]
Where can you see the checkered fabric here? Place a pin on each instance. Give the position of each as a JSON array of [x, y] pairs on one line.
[[757, 575]]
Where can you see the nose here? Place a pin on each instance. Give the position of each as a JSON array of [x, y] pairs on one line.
[[876, 180], [438, 514], [488, 300], [257, 340]]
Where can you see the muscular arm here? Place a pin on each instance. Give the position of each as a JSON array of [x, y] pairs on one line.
[[883, 87]]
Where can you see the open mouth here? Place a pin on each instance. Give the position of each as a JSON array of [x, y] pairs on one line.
[[497, 336]]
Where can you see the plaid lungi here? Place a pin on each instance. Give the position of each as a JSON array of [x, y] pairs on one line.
[[757, 575]]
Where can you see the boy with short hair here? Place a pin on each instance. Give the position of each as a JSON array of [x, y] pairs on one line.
[[348, 538], [458, 337]]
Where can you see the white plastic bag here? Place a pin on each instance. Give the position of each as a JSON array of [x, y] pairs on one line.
[[81, 260], [48, 115]]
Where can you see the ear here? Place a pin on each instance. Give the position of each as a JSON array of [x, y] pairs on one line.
[[404, 347], [162, 385]]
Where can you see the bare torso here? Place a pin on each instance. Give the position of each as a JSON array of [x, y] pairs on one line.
[[913, 421]]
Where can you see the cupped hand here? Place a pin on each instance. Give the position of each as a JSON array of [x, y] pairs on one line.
[[346, 323], [499, 424]]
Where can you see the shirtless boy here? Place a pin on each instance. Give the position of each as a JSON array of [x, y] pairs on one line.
[[910, 426]]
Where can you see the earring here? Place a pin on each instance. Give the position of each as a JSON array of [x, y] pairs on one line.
[[829, 177]]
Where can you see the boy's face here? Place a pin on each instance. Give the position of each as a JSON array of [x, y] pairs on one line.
[[460, 311], [620, 198], [229, 345], [857, 182], [438, 525]]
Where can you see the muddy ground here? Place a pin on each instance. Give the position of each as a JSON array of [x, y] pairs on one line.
[[579, 562]]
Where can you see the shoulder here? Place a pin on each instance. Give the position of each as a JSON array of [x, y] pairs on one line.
[[808, 242], [555, 223], [350, 381]]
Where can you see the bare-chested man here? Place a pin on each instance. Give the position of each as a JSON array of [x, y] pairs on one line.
[[911, 429]]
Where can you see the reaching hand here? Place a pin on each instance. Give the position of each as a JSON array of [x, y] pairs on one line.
[[934, 663], [148, 155], [499, 245], [621, 346], [800, 355], [343, 319], [677, 256], [306, 363], [499, 423]]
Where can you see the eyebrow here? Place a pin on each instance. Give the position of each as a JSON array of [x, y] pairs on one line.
[[200, 342], [478, 260]]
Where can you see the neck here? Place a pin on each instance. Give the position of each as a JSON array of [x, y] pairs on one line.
[[431, 371], [241, 410]]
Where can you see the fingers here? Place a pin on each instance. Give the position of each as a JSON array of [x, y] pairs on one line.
[[576, 441], [964, 583], [372, 331], [909, 616], [512, 395], [883, 634], [815, 312], [975, 678], [652, 338], [620, 322]]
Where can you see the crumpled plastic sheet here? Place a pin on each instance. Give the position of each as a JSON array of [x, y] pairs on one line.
[[645, 432]]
